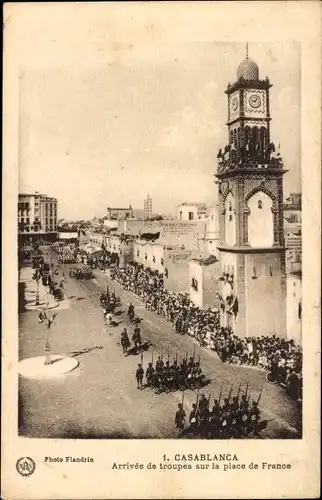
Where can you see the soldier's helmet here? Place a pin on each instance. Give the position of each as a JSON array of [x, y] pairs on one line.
[[215, 401], [194, 405], [244, 397], [150, 364], [254, 403], [139, 366], [180, 406]]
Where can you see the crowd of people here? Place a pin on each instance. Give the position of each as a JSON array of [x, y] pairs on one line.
[[234, 418], [66, 253], [269, 353]]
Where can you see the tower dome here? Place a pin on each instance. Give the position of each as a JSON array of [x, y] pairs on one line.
[[248, 70]]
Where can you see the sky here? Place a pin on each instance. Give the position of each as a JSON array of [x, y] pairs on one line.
[[144, 118]]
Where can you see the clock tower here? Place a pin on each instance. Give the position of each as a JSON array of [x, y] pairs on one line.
[[250, 185]]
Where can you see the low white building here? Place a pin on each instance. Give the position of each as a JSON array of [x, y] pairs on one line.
[[191, 211]]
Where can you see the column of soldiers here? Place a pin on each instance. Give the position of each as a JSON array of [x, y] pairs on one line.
[[171, 376], [234, 418]]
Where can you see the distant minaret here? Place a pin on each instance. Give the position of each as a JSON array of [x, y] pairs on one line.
[[147, 208]]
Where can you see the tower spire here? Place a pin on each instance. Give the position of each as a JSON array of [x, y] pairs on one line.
[[246, 50]]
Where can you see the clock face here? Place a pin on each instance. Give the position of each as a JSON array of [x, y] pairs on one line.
[[255, 101], [234, 104]]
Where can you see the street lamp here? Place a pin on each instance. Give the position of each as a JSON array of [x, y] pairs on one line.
[[37, 292], [48, 321]]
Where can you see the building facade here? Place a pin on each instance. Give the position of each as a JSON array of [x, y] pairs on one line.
[[250, 190], [119, 213], [191, 211], [37, 217]]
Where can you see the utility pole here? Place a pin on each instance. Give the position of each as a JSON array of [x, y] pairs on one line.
[[37, 292]]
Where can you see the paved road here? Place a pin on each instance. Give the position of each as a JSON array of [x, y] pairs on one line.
[[100, 399]]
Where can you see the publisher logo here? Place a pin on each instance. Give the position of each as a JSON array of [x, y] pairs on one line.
[[25, 466]]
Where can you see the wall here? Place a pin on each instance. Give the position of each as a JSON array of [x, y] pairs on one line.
[[112, 224], [126, 253], [265, 296], [177, 262], [293, 298], [211, 285], [187, 233], [136, 227]]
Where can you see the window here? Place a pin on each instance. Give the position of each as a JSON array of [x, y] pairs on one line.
[[230, 206], [180, 216], [260, 204], [254, 273], [166, 273], [230, 218], [270, 271], [190, 216]]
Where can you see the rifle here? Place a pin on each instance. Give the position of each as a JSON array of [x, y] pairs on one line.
[[197, 400], [142, 359], [152, 359], [220, 394], [193, 354], [168, 356], [246, 390], [186, 356], [209, 401], [249, 396], [259, 396], [176, 357], [182, 400], [238, 392], [231, 390]]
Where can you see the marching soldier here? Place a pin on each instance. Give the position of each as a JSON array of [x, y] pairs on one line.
[[125, 341], [215, 419], [204, 418], [191, 363], [243, 414], [159, 364], [131, 313], [139, 376], [198, 376], [253, 417], [137, 337], [149, 375], [225, 418], [193, 419], [180, 418]]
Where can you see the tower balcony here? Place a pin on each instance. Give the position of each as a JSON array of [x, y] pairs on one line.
[[225, 168]]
